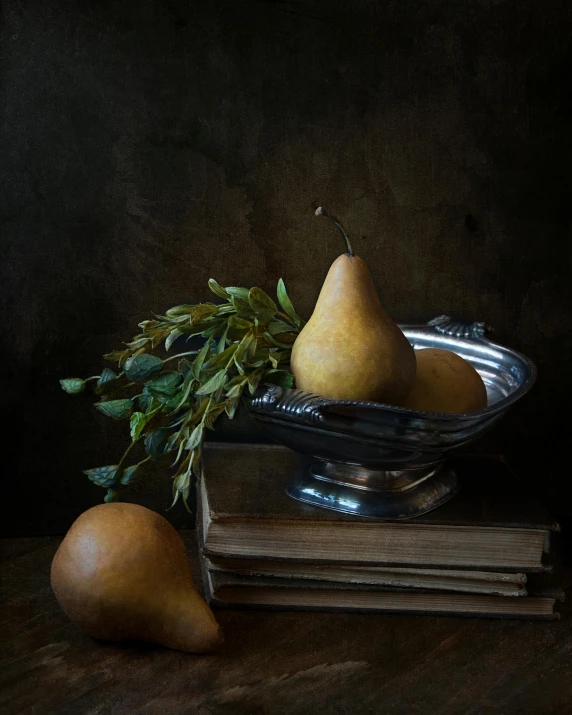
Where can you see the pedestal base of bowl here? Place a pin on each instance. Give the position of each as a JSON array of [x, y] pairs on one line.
[[380, 494]]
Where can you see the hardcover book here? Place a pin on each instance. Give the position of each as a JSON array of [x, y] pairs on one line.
[[488, 526]]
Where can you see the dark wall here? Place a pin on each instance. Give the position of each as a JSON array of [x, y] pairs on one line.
[[147, 146]]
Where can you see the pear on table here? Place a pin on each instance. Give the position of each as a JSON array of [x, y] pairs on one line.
[[351, 349], [122, 574]]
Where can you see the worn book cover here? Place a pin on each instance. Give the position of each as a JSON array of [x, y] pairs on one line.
[[489, 525], [226, 590]]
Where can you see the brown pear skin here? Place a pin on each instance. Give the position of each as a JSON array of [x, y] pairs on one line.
[[351, 349], [122, 574]]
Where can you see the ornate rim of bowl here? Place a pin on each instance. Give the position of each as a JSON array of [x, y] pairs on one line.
[[388, 462]]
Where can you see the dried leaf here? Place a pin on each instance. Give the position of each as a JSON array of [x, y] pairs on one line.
[[240, 323], [202, 311]]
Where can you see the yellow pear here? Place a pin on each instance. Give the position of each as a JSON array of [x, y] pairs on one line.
[[446, 382], [350, 348], [122, 574]]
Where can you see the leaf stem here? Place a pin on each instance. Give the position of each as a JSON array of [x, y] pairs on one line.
[[126, 453], [180, 355]]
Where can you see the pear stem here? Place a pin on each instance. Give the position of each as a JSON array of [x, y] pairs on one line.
[[322, 212]]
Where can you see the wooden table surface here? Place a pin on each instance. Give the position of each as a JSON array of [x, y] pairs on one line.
[[275, 662]]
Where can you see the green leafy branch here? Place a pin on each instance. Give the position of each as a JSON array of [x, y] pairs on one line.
[[171, 401]]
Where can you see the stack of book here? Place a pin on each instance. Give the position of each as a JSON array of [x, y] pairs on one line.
[[484, 553]]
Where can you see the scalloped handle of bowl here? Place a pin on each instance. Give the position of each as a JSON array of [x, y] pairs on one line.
[[460, 328]]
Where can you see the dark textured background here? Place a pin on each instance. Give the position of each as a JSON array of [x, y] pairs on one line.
[[147, 146]]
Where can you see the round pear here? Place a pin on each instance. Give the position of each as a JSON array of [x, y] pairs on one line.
[[446, 382], [351, 349], [122, 574]]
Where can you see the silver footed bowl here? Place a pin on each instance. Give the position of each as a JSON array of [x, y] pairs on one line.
[[387, 462]]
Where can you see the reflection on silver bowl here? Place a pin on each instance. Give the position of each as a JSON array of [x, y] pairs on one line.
[[383, 461]]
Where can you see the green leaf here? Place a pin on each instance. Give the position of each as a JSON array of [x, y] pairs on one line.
[[213, 384], [128, 475], [145, 399], [212, 414], [103, 476], [279, 326], [261, 303], [242, 307], [187, 387], [155, 443], [141, 367], [242, 349], [137, 423], [240, 323], [173, 335], [199, 360], [279, 344], [286, 304], [282, 356], [283, 378], [238, 292], [172, 442], [118, 409], [73, 385], [184, 365], [236, 390], [237, 380], [218, 289], [230, 406], [222, 342], [149, 324], [215, 330], [254, 379], [179, 310], [171, 404], [166, 384], [195, 438], [218, 361]]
